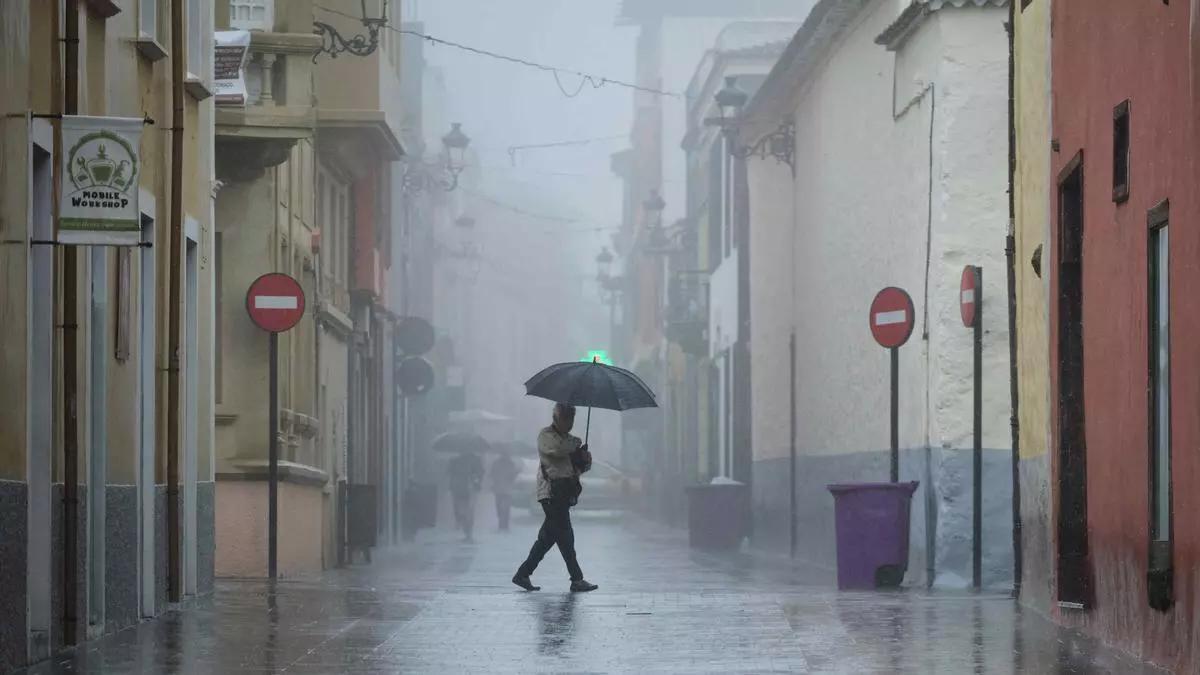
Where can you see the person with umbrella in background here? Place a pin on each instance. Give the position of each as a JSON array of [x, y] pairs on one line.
[[465, 473], [466, 478], [563, 457], [503, 473]]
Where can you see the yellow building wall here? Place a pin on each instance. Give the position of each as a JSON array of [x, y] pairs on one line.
[[1032, 187], [115, 80]]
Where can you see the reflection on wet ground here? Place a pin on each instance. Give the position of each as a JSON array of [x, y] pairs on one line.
[[441, 606]]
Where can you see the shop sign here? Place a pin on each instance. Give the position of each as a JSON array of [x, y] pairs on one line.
[[98, 204]]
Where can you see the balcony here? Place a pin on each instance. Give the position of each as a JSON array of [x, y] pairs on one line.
[[279, 106]]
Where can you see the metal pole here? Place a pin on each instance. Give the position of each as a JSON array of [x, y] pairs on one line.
[[1010, 259], [273, 464], [895, 414], [70, 340], [792, 440], [977, 467]]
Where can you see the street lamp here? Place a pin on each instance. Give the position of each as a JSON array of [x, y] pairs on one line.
[[455, 143], [779, 144], [420, 176], [604, 265], [654, 206], [333, 43], [731, 100]]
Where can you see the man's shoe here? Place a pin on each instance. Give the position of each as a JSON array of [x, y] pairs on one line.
[[582, 586], [525, 583]]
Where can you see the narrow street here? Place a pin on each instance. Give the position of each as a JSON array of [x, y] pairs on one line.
[[443, 606]]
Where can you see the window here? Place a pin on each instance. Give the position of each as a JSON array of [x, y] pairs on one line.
[[218, 320], [151, 38], [1121, 152], [121, 339], [252, 14], [199, 40], [1159, 306], [1025, 3]]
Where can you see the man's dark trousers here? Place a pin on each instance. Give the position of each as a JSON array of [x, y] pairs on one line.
[[556, 529]]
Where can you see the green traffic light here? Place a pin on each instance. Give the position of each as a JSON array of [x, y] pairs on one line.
[[598, 355]]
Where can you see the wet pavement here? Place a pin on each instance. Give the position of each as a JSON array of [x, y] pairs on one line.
[[443, 606]]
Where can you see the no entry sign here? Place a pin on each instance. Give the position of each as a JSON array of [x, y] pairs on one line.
[[275, 302], [968, 301], [892, 317]]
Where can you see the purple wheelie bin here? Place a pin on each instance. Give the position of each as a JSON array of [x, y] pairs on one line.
[[872, 533]]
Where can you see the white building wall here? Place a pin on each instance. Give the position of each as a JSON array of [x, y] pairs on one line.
[[866, 185]]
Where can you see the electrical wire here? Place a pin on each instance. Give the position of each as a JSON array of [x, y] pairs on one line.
[[514, 149], [516, 209], [595, 81]]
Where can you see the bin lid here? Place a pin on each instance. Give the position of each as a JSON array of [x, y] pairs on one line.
[[842, 488]]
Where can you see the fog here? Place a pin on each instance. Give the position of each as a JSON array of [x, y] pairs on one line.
[[542, 214]]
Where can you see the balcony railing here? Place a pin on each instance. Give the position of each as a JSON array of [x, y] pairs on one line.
[[279, 88]]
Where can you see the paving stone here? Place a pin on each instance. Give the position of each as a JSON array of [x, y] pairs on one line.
[[442, 606]]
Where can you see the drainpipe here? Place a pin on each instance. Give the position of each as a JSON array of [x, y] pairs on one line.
[[1011, 257], [174, 301], [70, 335], [930, 91]]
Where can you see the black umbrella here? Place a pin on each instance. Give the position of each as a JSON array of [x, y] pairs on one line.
[[592, 384], [461, 441]]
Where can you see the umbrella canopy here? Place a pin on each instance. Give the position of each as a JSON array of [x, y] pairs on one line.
[[591, 384], [461, 441]]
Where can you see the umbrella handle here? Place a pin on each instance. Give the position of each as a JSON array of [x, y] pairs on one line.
[[587, 431]]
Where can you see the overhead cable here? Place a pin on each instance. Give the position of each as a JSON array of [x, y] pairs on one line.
[[596, 81]]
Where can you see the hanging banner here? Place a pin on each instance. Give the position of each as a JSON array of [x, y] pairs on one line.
[[101, 163], [229, 67]]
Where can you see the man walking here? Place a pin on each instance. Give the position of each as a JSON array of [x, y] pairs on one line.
[[503, 474], [563, 458]]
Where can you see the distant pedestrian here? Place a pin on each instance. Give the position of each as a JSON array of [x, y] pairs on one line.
[[466, 478], [562, 458], [503, 474]]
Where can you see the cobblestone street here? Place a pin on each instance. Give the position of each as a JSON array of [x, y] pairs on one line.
[[443, 606]]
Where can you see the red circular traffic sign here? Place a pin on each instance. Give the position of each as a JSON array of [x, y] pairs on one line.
[[275, 302], [892, 317], [967, 295]]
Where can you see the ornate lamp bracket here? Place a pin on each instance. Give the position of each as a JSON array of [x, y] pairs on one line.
[[334, 43], [779, 144]]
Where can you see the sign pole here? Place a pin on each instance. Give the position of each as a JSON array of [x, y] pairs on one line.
[[892, 320], [273, 465], [895, 474], [792, 444], [977, 467], [275, 303]]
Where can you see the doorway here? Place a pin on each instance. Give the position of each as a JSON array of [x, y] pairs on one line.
[[1073, 579]]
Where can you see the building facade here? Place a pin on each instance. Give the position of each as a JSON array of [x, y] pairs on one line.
[[708, 282], [899, 180], [673, 36], [1121, 261], [306, 168], [106, 461]]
